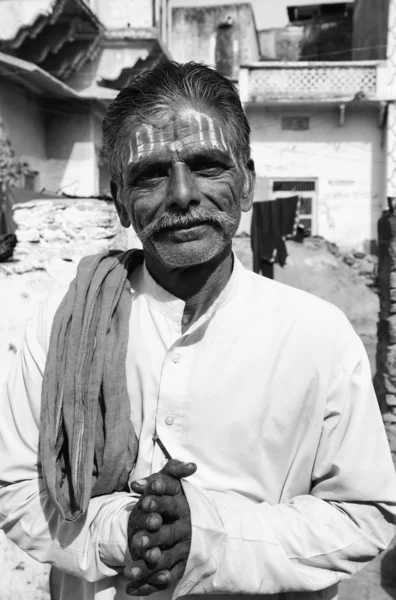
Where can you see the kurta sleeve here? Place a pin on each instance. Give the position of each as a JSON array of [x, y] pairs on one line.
[[91, 548], [313, 541]]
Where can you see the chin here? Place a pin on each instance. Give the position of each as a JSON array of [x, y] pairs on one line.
[[182, 256]]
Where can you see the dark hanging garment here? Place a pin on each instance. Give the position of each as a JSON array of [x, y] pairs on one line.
[[272, 222]]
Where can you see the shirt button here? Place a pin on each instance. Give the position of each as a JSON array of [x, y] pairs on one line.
[[176, 357], [169, 420]]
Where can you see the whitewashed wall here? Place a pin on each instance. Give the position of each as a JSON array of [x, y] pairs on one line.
[[56, 140], [348, 161]]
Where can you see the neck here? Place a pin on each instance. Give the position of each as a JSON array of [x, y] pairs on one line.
[[199, 286]]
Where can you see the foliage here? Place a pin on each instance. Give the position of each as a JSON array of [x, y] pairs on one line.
[[11, 168]]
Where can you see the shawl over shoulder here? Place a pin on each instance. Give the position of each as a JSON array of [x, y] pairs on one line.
[[87, 442]]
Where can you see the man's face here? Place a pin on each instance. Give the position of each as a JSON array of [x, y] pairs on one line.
[[182, 189]]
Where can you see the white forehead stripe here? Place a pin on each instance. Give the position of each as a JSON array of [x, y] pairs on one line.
[[212, 132], [149, 137]]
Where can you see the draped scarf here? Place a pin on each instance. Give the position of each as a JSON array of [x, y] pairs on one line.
[[88, 445]]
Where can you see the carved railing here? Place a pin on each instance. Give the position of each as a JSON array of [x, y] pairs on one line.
[[292, 81]]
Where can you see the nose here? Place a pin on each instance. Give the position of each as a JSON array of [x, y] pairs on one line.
[[182, 187]]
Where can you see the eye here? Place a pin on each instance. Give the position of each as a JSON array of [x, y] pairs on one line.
[[152, 175], [208, 169]]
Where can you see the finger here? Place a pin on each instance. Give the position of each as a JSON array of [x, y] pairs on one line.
[[139, 486], [153, 556], [139, 572], [145, 590], [159, 581], [166, 506], [163, 484], [178, 470], [166, 537], [173, 468], [168, 577], [147, 520]]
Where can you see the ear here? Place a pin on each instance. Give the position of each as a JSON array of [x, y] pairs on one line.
[[248, 188], [120, 207]]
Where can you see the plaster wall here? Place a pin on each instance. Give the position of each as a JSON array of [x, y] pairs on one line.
[[348, 163], [56, 142], [118, 13], [194, 33], [71, 154], [24, 122]]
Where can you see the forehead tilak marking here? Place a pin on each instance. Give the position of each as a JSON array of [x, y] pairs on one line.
[[147, 137]]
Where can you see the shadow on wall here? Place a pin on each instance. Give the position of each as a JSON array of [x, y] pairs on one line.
[[70, 145]]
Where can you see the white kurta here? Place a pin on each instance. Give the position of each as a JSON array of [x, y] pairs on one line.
[[270, 394]]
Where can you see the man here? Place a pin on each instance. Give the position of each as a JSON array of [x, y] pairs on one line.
[[285, 484]]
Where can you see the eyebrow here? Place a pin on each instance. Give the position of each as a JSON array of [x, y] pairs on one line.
[[159, 159], [144, 164], [214, 154]]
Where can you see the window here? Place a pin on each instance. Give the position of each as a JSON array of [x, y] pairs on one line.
[[307, 190], [295, 123], [30, 180]]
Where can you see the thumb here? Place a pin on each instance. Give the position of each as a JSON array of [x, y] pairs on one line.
[[178, 470]]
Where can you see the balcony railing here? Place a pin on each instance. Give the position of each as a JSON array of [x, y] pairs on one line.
[[267, 81]]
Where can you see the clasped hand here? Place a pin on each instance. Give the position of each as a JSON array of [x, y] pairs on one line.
[[159, 530]]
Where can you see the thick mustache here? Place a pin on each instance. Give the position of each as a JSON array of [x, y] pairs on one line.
[[195, 216]]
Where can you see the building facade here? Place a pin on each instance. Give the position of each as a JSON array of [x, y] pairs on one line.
[[327, 130], [319, 130], [61, 63], [222, 36]]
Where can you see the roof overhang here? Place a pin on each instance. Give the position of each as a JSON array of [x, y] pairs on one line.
[[151, 51], [40, 82], [60, 36]]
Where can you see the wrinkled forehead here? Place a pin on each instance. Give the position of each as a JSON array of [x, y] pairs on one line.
[[181, 130]]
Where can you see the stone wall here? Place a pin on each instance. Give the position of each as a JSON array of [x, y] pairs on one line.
[[385, 378], [63, 229]]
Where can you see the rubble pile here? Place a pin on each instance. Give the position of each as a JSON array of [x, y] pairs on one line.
[[65, 229], [362, 263]]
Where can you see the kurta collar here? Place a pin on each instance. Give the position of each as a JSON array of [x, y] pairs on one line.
[[173, 307]]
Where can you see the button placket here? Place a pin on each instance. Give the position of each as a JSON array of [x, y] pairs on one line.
[[176, 358], [170, 419]]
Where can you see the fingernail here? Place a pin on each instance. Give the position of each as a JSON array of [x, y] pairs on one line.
[[135, 572], [190, 465], [151, 505], [144, 541], [154, 486], [162, 577], [153, 553], [152, 522], [141, 482]]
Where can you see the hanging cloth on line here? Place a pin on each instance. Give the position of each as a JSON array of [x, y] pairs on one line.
[[272, 222]]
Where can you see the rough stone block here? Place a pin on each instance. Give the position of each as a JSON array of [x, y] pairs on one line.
[[50, 235], [29, 235], [392, 280], [390, 386], [390, 400], [392, 329]]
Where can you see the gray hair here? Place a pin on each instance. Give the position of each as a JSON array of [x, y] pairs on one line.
[[168, 86]]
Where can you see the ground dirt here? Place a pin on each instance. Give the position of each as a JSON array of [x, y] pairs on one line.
[[312, 267]]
